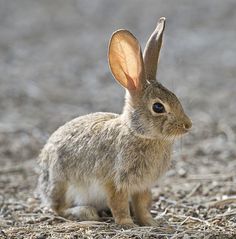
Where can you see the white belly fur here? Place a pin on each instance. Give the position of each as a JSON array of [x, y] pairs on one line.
[[91, 194]]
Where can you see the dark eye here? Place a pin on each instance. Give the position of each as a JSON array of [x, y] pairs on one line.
[[158, 107]]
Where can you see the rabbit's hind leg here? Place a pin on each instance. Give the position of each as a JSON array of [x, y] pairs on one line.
[[56, 196], [81, 213], [84, 201], [64, 205]]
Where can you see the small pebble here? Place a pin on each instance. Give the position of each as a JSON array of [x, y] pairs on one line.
[[31, 201], [41, 236]]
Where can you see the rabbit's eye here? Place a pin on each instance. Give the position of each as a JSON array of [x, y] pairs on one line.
[[158, 108]]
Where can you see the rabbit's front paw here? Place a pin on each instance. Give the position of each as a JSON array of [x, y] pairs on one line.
[[126, 222], [149, 221]]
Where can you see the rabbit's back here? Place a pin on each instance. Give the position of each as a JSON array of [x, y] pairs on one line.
[[73, 146]]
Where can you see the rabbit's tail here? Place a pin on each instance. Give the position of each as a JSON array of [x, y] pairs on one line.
[[43, 180]]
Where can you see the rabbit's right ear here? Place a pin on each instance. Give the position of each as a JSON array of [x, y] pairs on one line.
[[125, 60], [152, 50]]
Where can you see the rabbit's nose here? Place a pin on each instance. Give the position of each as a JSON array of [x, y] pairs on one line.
[[187, 125]]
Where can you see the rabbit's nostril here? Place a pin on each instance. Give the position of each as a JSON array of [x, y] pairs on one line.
[[187, 125]]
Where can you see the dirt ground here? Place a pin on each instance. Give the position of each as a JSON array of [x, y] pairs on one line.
[[53, 67]]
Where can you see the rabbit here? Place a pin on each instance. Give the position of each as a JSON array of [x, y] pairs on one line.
[[107, 160]]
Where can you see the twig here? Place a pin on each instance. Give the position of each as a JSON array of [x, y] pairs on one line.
[[191, 193], [224, 175], [232, 213], [222, 203]]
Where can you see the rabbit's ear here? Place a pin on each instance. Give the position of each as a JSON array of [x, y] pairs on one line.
[[152, 50], [125, 60]]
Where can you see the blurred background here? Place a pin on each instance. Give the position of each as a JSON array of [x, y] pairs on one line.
[[53, 67]]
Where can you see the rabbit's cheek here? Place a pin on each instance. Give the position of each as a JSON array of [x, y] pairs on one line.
[[161, 123], [169, 128]]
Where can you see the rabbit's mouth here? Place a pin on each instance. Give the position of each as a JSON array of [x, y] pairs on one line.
[[176, 132]]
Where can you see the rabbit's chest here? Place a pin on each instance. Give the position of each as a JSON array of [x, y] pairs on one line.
[[142, 168], [152, 165]]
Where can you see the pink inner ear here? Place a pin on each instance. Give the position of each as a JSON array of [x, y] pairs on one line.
[[131, 83]]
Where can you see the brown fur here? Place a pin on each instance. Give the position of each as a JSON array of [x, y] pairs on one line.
[[141, 203], [107, 160]]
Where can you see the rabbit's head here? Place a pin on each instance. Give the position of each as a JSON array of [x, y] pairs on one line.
[[151, 110]]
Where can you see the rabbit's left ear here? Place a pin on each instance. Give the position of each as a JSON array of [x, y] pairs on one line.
[[125, 60]]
